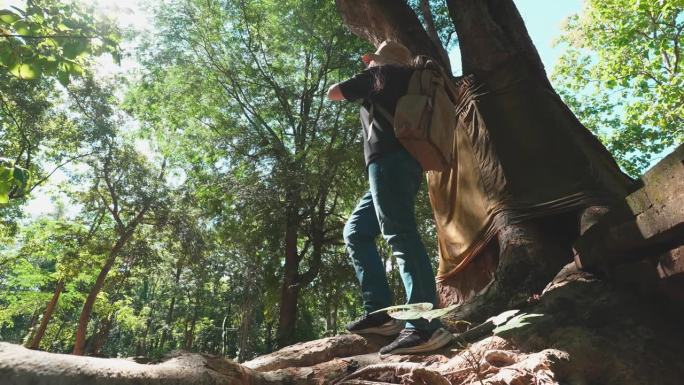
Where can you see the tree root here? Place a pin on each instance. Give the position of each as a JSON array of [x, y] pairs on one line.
[[394, 369], [407, 373], [423, 376], [313, 352]]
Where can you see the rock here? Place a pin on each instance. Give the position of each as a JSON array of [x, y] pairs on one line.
[[649, 222]]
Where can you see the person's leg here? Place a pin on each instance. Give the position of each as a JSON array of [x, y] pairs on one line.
[[395, 181], [360, 234]]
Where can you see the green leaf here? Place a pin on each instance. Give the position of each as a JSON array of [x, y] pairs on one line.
[[21, 27], [20, 176], [75, 48], [8, 17], [407, 312], [49, 66], [7, 56], [416, 311], [423, 306], [6, 183], [63, 77], [26, 71], [503, 317], [74, 68], [516, 322], [438, 313]]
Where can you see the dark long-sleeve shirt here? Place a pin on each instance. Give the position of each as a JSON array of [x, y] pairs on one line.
[[378, 136]]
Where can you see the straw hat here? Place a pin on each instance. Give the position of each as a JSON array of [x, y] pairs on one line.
[[390, 52]]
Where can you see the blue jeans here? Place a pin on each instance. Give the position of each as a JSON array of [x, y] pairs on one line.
[[388, 208]]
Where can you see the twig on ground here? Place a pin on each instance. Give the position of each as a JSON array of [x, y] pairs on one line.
[[475, 333]]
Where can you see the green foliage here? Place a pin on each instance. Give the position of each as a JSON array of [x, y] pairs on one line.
[[230, 104], [503, 317], [416, 311], [12, 177], [517, 322], [261, 148], [45, 40], [621, 74], [53, 39], [46, 251]]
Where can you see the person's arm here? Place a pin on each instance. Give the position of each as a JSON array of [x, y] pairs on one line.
[[335, 93], [357, 87]]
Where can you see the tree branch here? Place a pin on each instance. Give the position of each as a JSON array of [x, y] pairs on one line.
[[379, 20], [8, 35]]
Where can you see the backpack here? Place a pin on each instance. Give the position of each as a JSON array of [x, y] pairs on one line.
[[425, 118]]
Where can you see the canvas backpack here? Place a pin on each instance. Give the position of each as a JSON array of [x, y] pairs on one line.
[[425, 118]]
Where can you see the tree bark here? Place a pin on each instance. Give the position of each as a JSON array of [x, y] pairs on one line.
[[82, 328], [432, 31], [489, 33], [190, 333], [169, 314], [289, 294], [35, 341], [32, 324], [100, 338], [379, 20], [245, 329]]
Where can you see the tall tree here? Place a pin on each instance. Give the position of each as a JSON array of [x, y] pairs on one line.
[[492, 36], [72, 245], [124, 183], [261, 101], [622, 74], [129, 190]]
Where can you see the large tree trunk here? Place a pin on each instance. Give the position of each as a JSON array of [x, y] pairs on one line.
[[491, 33], [172, 305], [190, 332], [289, 294], [84, 318], [245, 329], [35, 341], [379, 20], [100, 338]]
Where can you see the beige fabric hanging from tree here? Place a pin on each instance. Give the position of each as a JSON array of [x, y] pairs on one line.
[[520, 154]]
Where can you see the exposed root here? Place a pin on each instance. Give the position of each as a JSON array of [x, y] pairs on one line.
[[500, 358], [313, 352], [380, 370], [423, 376]]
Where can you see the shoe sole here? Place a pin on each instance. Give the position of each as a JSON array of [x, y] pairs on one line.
[[388, 329], [440, 340]]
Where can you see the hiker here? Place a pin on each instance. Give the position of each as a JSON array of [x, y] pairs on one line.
[[388, 207]]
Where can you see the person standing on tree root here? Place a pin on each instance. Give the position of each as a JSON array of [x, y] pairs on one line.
[[388, 207]]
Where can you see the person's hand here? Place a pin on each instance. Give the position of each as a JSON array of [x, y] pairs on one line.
[[335, 93], [366, 59]]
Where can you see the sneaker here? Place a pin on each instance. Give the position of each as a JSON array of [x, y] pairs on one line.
[[418, 341], [377, 323]]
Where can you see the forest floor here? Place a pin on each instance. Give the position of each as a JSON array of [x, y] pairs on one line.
[[580, 330]]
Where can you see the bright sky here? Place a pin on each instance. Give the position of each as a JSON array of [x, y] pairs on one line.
[[542, 17]]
